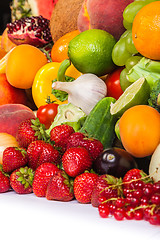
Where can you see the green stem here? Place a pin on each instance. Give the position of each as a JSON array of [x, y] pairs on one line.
[[62, 69]]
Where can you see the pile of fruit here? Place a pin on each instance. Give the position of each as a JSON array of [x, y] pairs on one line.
[[80, 105]]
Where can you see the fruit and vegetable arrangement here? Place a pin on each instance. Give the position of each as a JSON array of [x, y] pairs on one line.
[[80, 104]]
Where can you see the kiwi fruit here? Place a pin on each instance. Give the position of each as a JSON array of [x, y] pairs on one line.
[[64, 17]]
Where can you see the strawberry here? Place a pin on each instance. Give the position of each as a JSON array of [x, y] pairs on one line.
[[83, 186], [107, 187], [40, 152], [4, 181], [94, 146], [75, 139], [21, 180], [60, 187], [30, 130], [13, 158], [59, 134], [41, 178], [76, 160]]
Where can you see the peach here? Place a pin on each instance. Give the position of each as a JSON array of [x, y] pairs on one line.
[[10, 94], [106, 15], [11, 115]]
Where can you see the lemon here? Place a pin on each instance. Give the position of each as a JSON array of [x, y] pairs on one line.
[[136, 94], [91, 52]]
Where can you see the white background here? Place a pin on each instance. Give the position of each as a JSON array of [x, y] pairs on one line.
[[28, 217]]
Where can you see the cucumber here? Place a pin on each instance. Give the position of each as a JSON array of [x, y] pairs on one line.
[[100, 124]]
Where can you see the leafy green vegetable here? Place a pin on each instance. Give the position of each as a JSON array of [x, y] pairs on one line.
[[147, 68], [61, 95], [153, 100]]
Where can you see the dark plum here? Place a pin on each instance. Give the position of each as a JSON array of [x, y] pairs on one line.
[[114, 161]]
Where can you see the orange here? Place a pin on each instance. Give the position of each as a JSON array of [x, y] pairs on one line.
[[139, 129], [60, 47], [22, 65], [6, 43], [146, 31]]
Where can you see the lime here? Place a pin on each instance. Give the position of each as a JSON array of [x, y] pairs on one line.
[[91, 52], [136, 94]]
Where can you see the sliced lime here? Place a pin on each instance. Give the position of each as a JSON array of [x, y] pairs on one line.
[[136, 94]]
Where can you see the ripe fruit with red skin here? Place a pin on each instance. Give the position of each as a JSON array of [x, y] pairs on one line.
[[83, 186], [4, 181], [14, 158], [113, 84], [134, 174], [15, 112], [76, 160], [103, 188], [21, 180], [47, 113], [60, 134], [60, 187], [29, 131], [94, 146], [40, 152], [75, 139], [10, 94], [41, 178]]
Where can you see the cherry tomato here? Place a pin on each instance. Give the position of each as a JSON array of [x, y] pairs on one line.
[[46, 113], [113, 84]]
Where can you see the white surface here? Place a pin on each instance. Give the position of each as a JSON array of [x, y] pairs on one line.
[[28, 217]]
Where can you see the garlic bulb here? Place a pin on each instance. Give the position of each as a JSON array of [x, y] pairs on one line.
[[84, 92]]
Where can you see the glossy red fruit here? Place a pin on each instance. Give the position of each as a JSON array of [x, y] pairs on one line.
[[60, 134], [47, 113], [4, 181], [13, 158], [60, 187], [41, 178], [83, 186], [103, 210], [40, 152], [103, 188], [26, 133], [113, 84], [21, 180], [76, 160], [93, 146]]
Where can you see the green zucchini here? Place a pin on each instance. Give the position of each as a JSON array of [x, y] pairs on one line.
[[100, 124]]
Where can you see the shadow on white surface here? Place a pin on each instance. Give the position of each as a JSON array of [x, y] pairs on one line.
[[29, 217]]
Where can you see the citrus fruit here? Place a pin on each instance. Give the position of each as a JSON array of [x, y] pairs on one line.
[[139, 130], [136, 94], [3, 62], [60, 48], [146, 31], [22, 65], [91, 52]]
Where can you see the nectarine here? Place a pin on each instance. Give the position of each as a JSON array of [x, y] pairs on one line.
[[106, 15], [10, 94], [11, 115]]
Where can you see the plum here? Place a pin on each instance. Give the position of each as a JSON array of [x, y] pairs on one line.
[[11, 115], [114, 161], [106, 15]]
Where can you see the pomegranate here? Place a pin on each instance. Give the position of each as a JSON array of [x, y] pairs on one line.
[[30, 30]]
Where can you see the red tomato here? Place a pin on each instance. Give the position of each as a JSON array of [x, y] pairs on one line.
[[113, 84], [47, 113]]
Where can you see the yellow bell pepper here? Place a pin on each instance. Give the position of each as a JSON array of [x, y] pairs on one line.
[[42, 84]]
